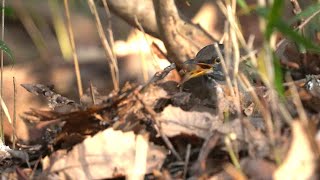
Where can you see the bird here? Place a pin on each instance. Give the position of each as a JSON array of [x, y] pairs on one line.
[[202, 73], [206, 63]]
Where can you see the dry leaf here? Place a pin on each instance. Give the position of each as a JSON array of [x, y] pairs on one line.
[[301, 161], [106, 155], [175, 121]]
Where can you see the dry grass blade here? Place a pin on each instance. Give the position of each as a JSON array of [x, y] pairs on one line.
[[93, 98], [297, 101], [109, 29], [186, 161], [14, 112], [225, 70], [5, 110], [112, 61], [266, 114], [157, 126], [296, 7], [73, 46], [1, 74], [233, 23]]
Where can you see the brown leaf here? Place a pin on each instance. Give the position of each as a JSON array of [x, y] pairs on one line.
[[175, 121], [302, 160], [106, 155]]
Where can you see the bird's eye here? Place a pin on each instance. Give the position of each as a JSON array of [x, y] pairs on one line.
[[217, 60]]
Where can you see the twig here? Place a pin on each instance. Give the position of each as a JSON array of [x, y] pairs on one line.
[[225, 70], [186, 161], [306, 21], [298, 82], [14, 113], [73, 47], [296, 7], [109, 27], [54, 100], [297, 102], [210, 142], [1, 83], [112, 61], [159, 76], [92, 94], [157, 126], [264, 111], [35, 167]]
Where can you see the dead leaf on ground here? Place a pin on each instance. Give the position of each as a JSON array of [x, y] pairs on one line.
[[175, 121], [108, 154], [302, 159]]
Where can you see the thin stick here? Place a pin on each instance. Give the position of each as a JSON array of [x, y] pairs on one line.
[[264, 111], [14, 113], [109, 27], [297, 102], [73, 47], [186, 161], [35, 167], [1, 81], [112, 61], [157, 126], [93, 98], [296, 7], [224, 67]]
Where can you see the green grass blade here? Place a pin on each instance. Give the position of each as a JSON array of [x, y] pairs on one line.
[[278, 80], [273, 17], [295, 36], [6, 49], [307, 12]]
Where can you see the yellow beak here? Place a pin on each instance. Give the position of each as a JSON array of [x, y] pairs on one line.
[[197, 69]]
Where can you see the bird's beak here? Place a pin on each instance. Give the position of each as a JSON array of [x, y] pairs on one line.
[[198, 69]]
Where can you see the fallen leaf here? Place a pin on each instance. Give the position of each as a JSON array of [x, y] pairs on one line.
[[108, 154], [302, 160], [175, 121]]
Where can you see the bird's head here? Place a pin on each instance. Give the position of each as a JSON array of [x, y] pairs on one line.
[[206, 62]]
